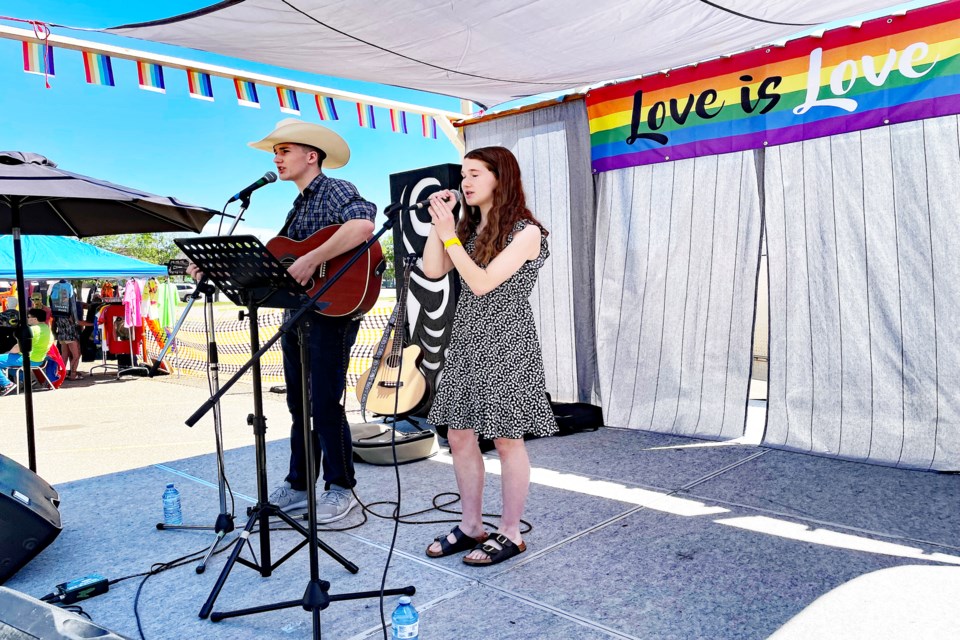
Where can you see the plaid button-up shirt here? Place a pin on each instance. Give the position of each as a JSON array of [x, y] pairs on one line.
[[324, 202]]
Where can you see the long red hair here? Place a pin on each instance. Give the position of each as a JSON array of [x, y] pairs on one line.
[[509, 205]]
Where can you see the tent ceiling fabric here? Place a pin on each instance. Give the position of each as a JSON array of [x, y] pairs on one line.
[[489, 52]]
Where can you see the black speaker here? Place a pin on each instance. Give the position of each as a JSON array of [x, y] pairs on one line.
[[26, 618], [29, 518], [430, 303]]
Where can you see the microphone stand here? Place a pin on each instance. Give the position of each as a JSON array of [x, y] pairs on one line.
[[316, 596], [225, 518], [391, 213]]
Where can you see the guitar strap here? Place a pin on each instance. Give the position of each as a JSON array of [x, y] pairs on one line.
[[286, 225]]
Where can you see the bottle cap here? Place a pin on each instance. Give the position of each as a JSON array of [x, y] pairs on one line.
[[404, 599], [169, 485]]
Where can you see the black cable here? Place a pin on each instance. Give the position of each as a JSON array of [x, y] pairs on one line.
[[426, 64], [220, 461], [223, 214], [754, 19], [75, 608], [393, 450]]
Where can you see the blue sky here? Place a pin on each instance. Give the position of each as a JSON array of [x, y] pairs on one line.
[[172, 144], [175, 145]]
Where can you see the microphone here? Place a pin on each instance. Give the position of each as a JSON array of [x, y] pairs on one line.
[[423, 204], [267, 178]]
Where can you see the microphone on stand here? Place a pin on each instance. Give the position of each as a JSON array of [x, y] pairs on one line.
[[267, 178], [423, 204]]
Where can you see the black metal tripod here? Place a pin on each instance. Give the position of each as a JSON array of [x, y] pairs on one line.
[[272, 281]]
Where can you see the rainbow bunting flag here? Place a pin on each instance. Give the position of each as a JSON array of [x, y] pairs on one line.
[[98, 68], [429, 126], [150, 76], [365, 115], [288, 101], [37, 58], [398, 120], [246, 93], [326, 108], [199, 84]]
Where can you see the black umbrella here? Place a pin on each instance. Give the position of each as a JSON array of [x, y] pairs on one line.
[[37, 198]]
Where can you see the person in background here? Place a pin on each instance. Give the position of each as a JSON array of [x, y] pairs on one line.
[[63, 305], [41, 340], [493, 381]]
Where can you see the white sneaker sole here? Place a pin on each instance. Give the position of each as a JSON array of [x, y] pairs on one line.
[[339, 516]]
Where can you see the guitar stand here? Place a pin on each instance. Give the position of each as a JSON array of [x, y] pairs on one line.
[[251, 276]]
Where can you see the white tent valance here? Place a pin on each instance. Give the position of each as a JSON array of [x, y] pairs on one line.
[[489, 52]]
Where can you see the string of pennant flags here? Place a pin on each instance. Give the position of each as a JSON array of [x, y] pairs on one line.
[[98, 69]]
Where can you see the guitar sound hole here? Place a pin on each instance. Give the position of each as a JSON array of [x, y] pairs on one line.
[[287, 262], [393, 361]]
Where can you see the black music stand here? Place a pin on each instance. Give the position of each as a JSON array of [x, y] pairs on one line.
[[250, 276]]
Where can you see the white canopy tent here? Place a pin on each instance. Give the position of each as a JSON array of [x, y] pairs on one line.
[[490, 52]]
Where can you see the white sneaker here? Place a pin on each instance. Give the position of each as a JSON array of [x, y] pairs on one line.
[[288, 499], [334, 504]]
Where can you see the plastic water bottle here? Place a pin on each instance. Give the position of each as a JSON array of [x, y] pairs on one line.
[[171, 505], [406, 620]]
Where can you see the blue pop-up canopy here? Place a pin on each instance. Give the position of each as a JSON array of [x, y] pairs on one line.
[[55, 257]]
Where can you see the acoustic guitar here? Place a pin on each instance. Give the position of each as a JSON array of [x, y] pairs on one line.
[[355, 292], [397, 384]]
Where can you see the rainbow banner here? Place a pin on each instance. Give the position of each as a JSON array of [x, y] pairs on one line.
[[199, 85], [150, 76], [429, 126], [888, 70], [326, 108], [246, 93], [398, 120], [365, 115], [98, 68], [38, 58], [288, 101]]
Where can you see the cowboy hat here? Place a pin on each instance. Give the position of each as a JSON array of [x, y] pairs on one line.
[[293, 130]]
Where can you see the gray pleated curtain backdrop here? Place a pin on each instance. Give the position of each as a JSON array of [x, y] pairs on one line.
[[678, 248], [863, 238], [553, 149]]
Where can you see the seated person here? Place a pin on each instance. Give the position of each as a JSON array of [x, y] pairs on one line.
[[41, 339]]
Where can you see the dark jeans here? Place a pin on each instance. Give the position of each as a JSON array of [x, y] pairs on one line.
[[330, 341]]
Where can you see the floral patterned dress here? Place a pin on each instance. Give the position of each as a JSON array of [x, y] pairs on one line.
[[492, 380]]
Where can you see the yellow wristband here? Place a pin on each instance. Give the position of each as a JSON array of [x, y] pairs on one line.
[[452, 241]]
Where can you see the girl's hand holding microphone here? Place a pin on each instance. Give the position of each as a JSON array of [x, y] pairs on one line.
[[441, 214]]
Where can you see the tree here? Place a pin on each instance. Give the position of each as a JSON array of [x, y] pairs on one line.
[[155, 248], [389, 275]]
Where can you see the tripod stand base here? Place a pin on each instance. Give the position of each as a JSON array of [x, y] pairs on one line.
[[315, 598], [262, 513], [223, 526]]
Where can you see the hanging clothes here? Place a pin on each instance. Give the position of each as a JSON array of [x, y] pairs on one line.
[[132, 316], [149, 305], [167, 303]]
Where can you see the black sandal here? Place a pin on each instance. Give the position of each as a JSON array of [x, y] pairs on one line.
[[495, 555], [463, 543]]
